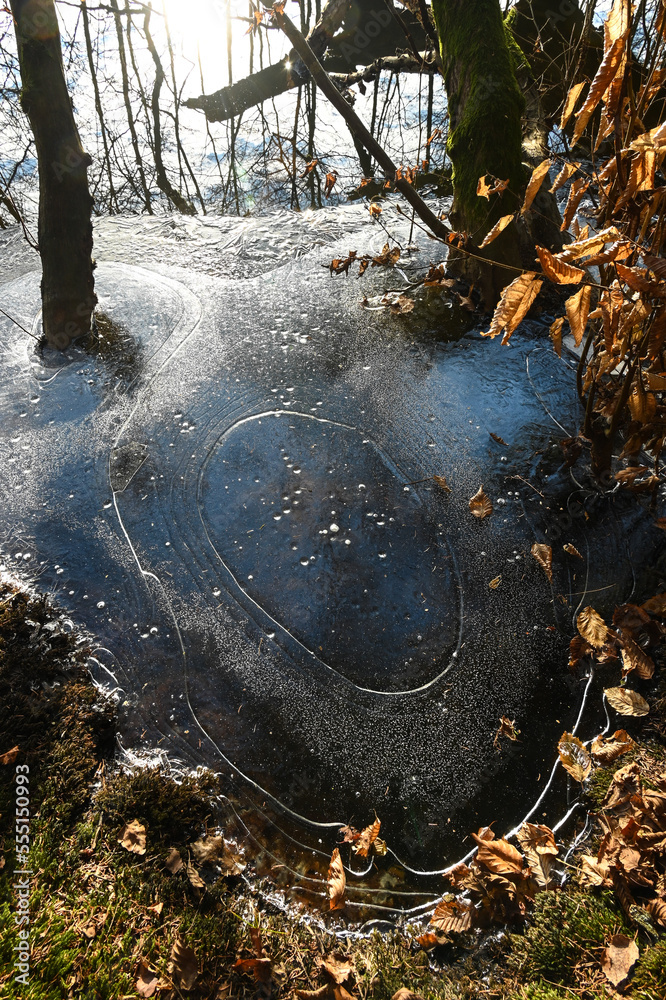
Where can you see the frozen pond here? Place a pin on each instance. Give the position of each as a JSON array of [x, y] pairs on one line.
[[230, 495]]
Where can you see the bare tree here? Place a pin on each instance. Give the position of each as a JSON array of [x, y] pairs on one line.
[[65, 228]]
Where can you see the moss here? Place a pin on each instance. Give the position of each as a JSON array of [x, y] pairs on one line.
[[649, 979], [485, 109], [565, 926], [539, 991], [48, 707], [171, 811]]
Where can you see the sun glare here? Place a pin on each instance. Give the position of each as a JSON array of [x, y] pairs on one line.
[[201, 26]]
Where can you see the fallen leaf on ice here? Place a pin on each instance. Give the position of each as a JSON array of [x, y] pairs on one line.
[[605, 750], [574, 757], [442, 483], [592, 627], [480, 505], [337, 881], [544, 556], [453, 917], [626, 701]]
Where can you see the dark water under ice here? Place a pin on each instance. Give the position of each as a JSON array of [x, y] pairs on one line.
[[227, 493]]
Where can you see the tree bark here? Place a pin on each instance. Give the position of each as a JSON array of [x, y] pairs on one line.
[[65, 204], [486, 108]]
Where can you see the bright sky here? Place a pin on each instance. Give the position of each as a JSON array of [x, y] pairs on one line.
[[203, 24]]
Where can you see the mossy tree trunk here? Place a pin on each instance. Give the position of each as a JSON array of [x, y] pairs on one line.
[[65, 227], [485, 114]]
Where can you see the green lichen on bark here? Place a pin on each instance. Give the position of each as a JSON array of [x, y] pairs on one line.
[[485, 109]]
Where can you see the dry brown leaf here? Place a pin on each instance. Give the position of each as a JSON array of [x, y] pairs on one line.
[[592, 627], [366, 839], [215, 851], [323, 991], [605, 750], [498, 856], [570, 103], [590, 245], [537, 838], [637, 280], [484, 189], [156, 909], [656, 605], [571, 550], [514, 305], [594, 872], [405, 994], [535, 182], [401, 305], [578, 310], [147, 981], [338, 966], [603, 79], [619, 958], [453, 917], [635, 659], [495, 582], [337, 881], [559, 271], [194, 877], [499, 440], [133, 837], [565, 174], [579, 649], [10, 756], [480, 505], [544, 556], [442, 483], [208, 849], [641, 177], [576, 192], [654, 139], [617, 22], [556, 334], [173, 862], [183, 965], [574, 757], [538, 843], [642, 404], [507, 727], [498, 228], [260, 968], [428, 941], [626, 702], [616, 251]]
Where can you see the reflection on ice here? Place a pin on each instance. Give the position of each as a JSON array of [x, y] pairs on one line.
[[233, 518]]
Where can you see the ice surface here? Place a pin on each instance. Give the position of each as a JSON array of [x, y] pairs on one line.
[[228, 493]]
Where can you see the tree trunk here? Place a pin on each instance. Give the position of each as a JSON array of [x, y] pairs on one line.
[[485, 113], [65, 227]]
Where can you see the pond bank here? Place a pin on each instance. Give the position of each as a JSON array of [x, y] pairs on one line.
[[108, 922]]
